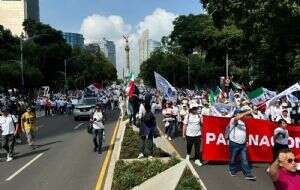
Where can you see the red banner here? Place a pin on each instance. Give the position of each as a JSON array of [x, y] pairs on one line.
[[260, 133]]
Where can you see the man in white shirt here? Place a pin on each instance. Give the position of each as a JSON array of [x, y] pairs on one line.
[[9, 127], [98, 129], [275, 111], [285, 115], [237, 144]]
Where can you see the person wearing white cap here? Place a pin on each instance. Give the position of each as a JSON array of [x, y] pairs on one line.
[[275, 111], [192, 132], [284, 115]]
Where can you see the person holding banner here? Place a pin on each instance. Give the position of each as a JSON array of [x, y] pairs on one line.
[[238, 144], [192, 132], [283, 171], [281, 137]]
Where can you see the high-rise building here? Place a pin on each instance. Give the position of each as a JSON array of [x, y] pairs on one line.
[[93, 48], [111, 52], [146, 47], [143, 46], [152, 46], [14, 12], [107, 47], [74, 39]]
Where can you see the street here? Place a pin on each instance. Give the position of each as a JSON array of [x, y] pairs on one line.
[[64, 158]]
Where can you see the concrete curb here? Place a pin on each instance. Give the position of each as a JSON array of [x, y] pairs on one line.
[[152, 183], [115, 155], [173, 175]]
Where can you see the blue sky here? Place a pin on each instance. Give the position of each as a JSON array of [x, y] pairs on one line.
[[67, 15]]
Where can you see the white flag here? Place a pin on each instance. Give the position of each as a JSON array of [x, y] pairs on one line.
[[294, 88], [165, 87]]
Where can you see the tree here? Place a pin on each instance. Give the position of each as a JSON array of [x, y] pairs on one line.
[[271, 36]]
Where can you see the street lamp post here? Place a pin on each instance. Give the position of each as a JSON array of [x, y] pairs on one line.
[[227, 66], [65, 63], [189, 80], [21, 63], [22, 41], [65, 72]]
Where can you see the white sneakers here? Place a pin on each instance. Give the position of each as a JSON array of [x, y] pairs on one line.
[[150, 157], [141, 155], [170, 138], [9, 158], [198, 163]]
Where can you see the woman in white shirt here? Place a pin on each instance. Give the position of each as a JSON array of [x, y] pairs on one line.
[[192, 133], [98, 129], [169, 120]]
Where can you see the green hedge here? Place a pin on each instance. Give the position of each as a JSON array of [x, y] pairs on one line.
[[130, 145], [188, 182], [129, 175]]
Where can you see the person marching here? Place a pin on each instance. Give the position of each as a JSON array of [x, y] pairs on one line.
[[238, 144], [9, 126], [28, 125], [281, 137], [192, 132], [98, 129]]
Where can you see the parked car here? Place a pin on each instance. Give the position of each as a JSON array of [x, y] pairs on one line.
[[85, 108]]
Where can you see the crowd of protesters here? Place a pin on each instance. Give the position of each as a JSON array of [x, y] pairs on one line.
[[184, 115]]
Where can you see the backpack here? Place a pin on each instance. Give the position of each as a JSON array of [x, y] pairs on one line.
[[149, 119]]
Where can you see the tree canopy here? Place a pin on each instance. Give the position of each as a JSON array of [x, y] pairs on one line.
[[44, 55]]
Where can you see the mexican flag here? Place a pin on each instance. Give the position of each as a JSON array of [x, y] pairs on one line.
[[261, 95], [212, 98], [237, 85], [130, 85]]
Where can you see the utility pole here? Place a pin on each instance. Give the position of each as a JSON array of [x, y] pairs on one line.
[[127, 50], [65, 62], [227, 65], [189, 80], [21, 63]]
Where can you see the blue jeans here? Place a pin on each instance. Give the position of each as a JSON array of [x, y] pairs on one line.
[[238, 150], [97, 139]]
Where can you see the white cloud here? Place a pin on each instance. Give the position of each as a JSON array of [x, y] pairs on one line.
[[159, 23], [96, 27]]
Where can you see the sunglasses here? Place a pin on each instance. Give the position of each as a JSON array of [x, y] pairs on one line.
[[291, 160]]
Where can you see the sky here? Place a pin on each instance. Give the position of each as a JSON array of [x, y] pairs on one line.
[[110, 19]]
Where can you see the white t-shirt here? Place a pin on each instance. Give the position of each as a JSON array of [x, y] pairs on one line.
[[193, 128], [281, 136], [287, 119], [205, 111], [142, 111], [98, 124], [7, 124], [237, 131]]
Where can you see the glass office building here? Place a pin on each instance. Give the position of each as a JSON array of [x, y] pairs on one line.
[[74, 39]]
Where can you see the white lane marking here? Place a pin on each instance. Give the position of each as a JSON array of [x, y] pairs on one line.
[[21, 169], [77, 126]]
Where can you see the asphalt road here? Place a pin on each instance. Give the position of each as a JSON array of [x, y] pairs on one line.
[[215, 176], [63, 160]]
